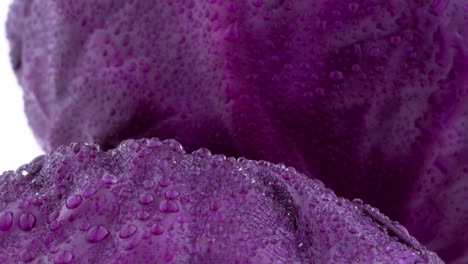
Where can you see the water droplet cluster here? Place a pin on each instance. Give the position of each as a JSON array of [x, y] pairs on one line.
[[205, 208], [369, 96]]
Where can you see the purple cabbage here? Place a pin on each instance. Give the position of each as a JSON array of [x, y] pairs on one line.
[[368, 96], [148, 201]]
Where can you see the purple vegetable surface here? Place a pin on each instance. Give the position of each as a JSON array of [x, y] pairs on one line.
[[148, 201], [368, 96]]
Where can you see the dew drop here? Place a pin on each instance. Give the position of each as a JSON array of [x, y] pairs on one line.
[[27, 256], [336, 75], [55, 225], [171, 194], [353, 7], [152, 144], [37, 202], [374, 52], [6, 220], [63, 257], [174, 145], [74, 201], [97, 233], [257, 3], [358, 202], [109, 179], [23, 204], [232, 33], [143, 215], [157, 229], [146, 199], [203, 152], [54, 249], [353, 229], [327, 196], [402, 229], [164, 182], [27, 221], [168, 206], [321, 26], [287, 176], [355, 68], [88, 192], [395, 40], [132, 244], [84, 226], [215, 206], [128, 231], [148, 184]]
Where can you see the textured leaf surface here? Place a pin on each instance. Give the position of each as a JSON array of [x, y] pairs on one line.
[[368, 96], [148, 201]]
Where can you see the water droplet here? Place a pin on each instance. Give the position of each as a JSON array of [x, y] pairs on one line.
[[193, 248], [27, 256], [143, 215], [128, 231], [321, 26], [171, 194], [27, 221], [168, 206], [109, 179], [146, 199], [354, 229], [84, 226], [55, 225], [358, 201], [146, 234], [63, 257], [395, 40], [74, 201], [23, 204], [53, 249], [257, 3], [132, 244], [287, 176], [336, 75], [37, 202], [89, 191], [6, 220], [181, 219], [174, 145], [374, 52], [402, 229], [157, 229], [203, 152], [164, 182], [148, 184], [353, 7], [232, 33], [439, 5], [327, 196], [215, 206], [97, 233], [154, 143]]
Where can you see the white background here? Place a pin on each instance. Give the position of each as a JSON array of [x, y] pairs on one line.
[[17, 143]]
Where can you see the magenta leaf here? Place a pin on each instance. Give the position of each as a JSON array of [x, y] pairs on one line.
[[368, 96], [203, 208]]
